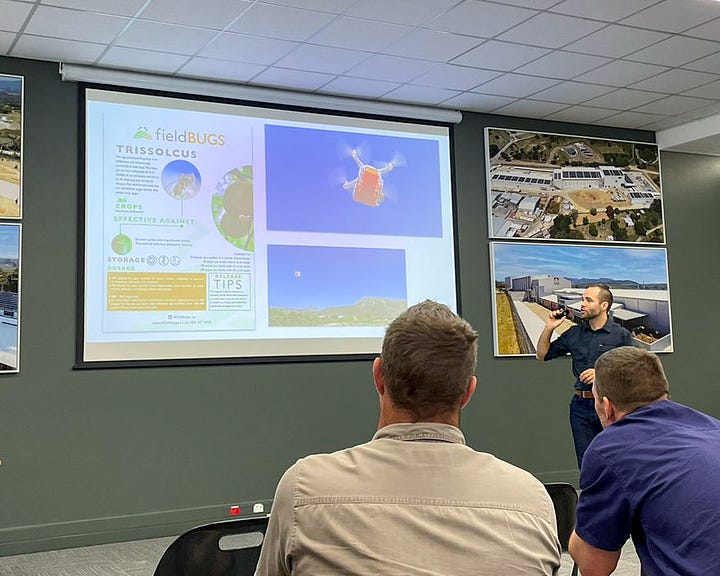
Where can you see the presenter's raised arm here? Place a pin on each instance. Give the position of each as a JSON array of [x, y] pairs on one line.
[[543, 344]]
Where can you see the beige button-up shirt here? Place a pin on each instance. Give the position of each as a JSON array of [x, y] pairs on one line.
[[415, 500]]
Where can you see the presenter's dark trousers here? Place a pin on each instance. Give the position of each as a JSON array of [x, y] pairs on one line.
[[584, 423]]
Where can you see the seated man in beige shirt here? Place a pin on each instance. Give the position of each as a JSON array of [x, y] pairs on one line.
[[415, 500]]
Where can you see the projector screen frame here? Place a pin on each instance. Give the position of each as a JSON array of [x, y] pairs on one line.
[[81, 336]]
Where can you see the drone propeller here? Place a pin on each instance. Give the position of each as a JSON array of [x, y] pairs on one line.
[[398, 159]]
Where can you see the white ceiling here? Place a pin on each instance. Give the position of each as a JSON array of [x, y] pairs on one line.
[[649, 64]]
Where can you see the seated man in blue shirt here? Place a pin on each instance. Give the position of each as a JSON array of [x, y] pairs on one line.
[[596, 333], [652, 474]]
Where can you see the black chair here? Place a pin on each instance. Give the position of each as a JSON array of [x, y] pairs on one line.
[[564, 498], [230, 548]]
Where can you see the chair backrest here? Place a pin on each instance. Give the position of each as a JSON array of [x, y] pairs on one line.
[[218, 549], [564, 498]]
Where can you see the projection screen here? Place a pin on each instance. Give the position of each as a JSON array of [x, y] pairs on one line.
[[224, 232]]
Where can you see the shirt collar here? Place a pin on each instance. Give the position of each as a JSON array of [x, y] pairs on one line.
[[605, 327], [427, 431]]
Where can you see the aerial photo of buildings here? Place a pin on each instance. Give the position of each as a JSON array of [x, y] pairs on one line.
[[552, 186]]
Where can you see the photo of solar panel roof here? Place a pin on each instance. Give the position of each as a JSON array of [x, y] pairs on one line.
[[564, 187]]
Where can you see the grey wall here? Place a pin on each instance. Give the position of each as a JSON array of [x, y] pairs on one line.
[[100, 455]]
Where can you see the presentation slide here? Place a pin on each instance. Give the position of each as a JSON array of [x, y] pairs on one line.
[[220, 231]]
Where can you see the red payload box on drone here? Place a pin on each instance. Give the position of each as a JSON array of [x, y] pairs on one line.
[[369, 187]]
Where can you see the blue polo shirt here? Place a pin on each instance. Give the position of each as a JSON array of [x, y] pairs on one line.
[[586, 345], [655, 476]]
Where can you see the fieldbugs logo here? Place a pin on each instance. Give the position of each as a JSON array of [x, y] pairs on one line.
[[189, 137], [180, 136], [142, 133]]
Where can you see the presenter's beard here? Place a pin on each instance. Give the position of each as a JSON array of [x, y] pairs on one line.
[[587, 315]]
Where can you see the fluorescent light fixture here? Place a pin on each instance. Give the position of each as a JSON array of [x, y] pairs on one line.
[[130, 79]]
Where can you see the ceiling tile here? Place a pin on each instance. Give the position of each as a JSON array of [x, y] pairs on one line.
[[500, 55], [420, 94], [214, 14], [432, 45], [708, 64], [63, 50], [391, 68], [124, 8], [709, 30], [565, 29], [6, 40], [482, 19], [294, 79], [13, 15], [621, 73], [359, 34], [565, 65], [74, 25], [455, 77], [572, 92], [530, 109], [631, 119], [675, 51], [164, 37], [674, 16], [410, 12], [321, 59], [245, 48], [667, 122], [515, 85], [477, 102], [332, 6], [624, 99], [708, 91], [670, 81], [673, 105], [616, 41], [134, 59], [607, 10], [583, 114], [358, 87], [536, 4], [281, 22], [211, 68], [703, 112]]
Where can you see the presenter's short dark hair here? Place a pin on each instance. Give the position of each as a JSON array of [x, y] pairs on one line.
[[428, 357], [604, 294]]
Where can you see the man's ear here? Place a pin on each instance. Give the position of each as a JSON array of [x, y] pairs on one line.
[[472, 385], [378, 376], [608, 407]]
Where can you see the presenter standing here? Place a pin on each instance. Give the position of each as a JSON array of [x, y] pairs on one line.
[[596, 333]]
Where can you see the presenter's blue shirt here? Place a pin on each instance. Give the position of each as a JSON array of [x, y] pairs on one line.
[[655, 476], [586, 345]]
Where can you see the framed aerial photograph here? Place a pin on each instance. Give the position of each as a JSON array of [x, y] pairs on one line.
[[11, 136], [9, 298], [569, 188], [532, 279]]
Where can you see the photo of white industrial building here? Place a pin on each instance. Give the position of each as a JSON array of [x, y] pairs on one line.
[[556, 277]]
